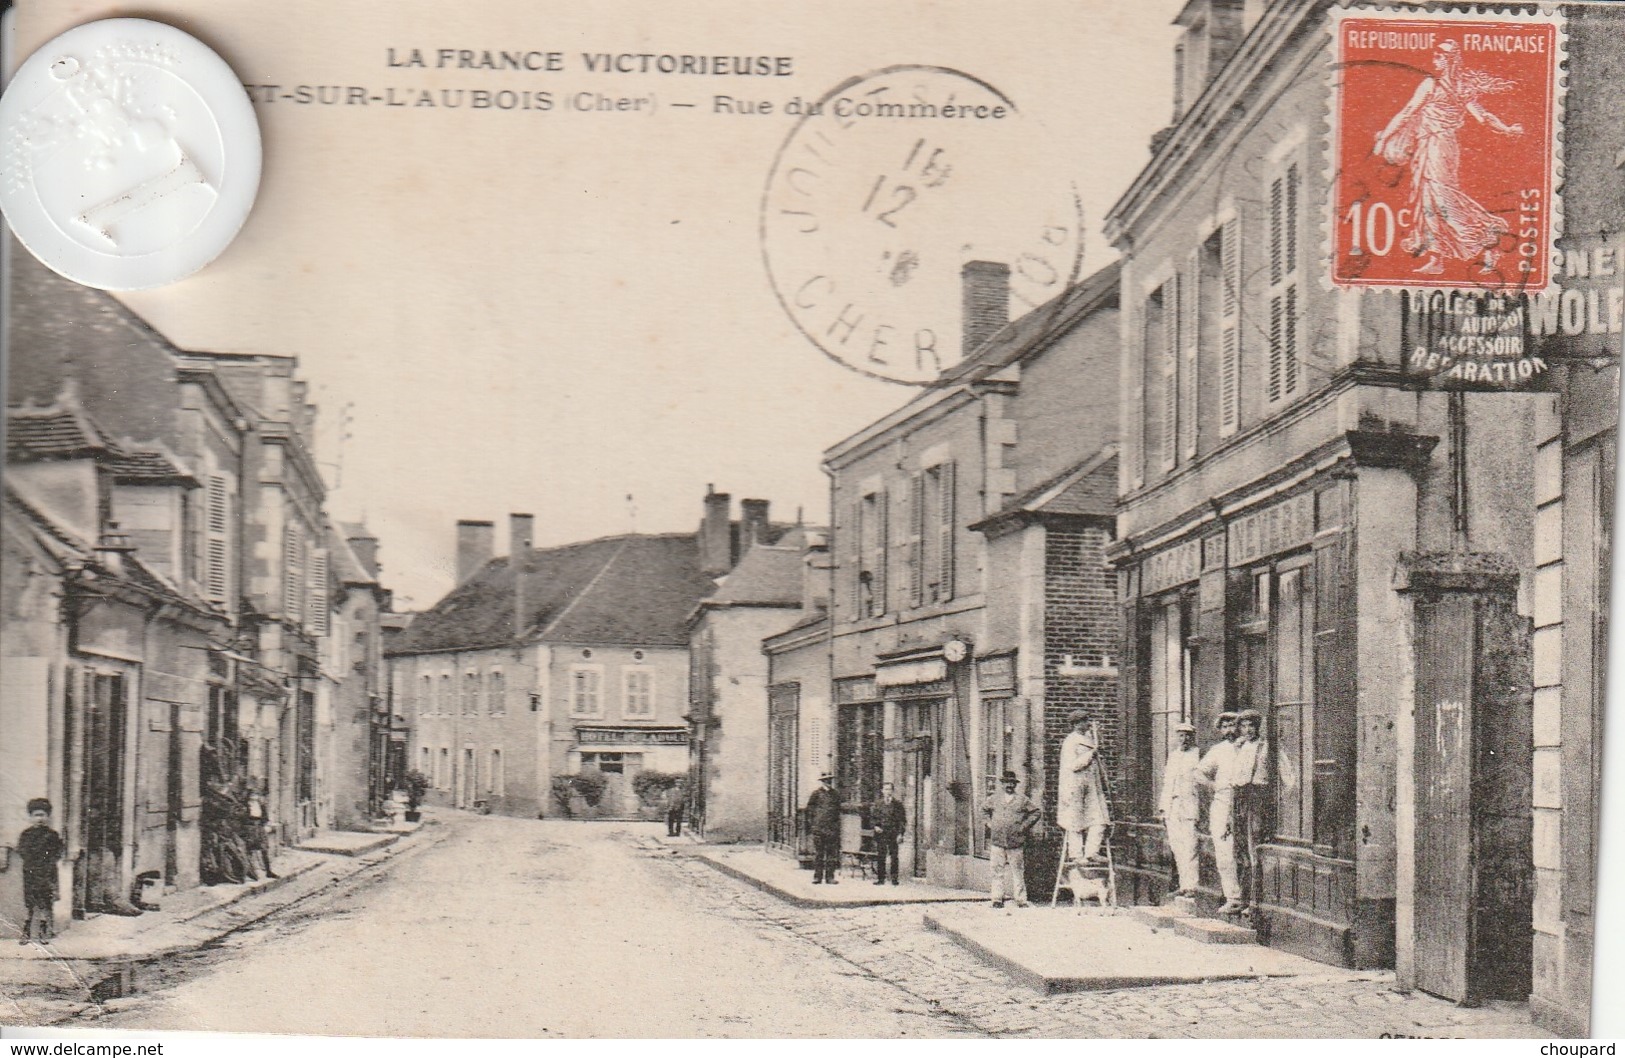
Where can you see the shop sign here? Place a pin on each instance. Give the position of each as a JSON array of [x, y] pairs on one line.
[[855, 689], [1280, 527], [996, 674], [629, 736], [1582, 318], [903, 673], [1174, 566], [1471, 340]]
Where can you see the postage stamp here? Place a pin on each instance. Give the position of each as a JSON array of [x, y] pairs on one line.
[[889, 195], [1446, 155]]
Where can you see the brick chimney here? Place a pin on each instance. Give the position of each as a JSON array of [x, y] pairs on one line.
[[521, 528], [753, 528], [716, 535], [986, 290], [476, 543]]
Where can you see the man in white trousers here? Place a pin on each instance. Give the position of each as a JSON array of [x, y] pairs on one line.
[[1215, 772], [1180, 807]]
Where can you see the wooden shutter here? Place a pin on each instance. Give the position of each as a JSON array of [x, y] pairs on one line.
[[1229, 327], [916, 539], [1277, 224], [293, 574], [316, 594], [1168, 354], [1190, 341], [216, 540], [877, 559], [1134, 426], [945, 530], [854, 559]]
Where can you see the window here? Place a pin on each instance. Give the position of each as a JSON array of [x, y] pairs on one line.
[[425, 698], [425, 763], [931, 534], [1284, 364], [607, 763], [872, 543], [471, 693], [585, 690], [293, 574], [496, 691], [638, 691], [998, 753], [444, 705], [1228, 254], [1172, 665], [442, 770], [495, 777], [217, 539], [1292, 718], [1163, 316], [318, 609], [858, 748]]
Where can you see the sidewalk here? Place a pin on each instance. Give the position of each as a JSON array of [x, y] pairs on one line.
[[1066, 950], [194, 917], [780, 876]]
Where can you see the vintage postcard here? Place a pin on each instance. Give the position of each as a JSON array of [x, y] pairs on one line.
[[1064, 518]]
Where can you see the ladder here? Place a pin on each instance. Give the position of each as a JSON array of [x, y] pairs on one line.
[[1072, 860]]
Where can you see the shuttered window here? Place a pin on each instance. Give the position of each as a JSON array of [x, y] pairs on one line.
[[1284, 361], [916, 540], [217, 539], [1134, 424], [874, 526], [1190, 338], [852, 561], [946, 515], [1168, 356], [1229, 327], [318, 608], [293, 574]]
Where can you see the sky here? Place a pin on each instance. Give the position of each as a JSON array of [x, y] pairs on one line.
[[551, 311]]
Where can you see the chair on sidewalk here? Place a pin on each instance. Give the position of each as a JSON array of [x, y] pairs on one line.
[[1098, 880]]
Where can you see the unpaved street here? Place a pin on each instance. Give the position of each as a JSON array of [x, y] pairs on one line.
[[508, 927]]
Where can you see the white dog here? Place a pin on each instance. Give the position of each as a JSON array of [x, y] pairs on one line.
[[1090, 888]]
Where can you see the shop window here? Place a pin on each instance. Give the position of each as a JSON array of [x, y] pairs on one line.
[[1172, 665], [607, 763], [1292, 726], [858, 753], [998, 753]]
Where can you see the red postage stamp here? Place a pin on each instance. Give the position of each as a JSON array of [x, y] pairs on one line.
[[1445, 151]]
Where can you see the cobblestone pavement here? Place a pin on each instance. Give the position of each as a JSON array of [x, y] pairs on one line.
[[891, 943]]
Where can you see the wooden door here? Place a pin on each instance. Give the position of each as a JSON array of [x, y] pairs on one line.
[[1446, 642]]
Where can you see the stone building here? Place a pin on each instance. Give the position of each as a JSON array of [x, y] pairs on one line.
[[552, 663], [1311, 528], [758, 593], [952, 658]]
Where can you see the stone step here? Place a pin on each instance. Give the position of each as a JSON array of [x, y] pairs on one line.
[[1215, 931]]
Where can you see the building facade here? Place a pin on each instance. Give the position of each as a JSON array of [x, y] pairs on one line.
[[942, 674], [547, 682], [1311, 529]]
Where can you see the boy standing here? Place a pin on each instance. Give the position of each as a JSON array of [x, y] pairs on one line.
[[40, 848]]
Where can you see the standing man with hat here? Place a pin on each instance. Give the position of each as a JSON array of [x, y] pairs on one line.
[[1180, 807], [1011, 817], [1080, 807], [824, 820], [1217, 771]]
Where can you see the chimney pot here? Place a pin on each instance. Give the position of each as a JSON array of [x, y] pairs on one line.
[[476, 543], [754, 515], [985, 286], [716, 535]]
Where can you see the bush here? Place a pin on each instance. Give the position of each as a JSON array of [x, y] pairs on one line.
[[563, 787], [416, 784], [651, 786], [590, 785]]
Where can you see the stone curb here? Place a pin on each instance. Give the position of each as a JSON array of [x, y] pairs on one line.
[[799, 900]]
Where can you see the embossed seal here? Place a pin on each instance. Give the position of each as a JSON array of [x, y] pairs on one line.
[[132, 155]]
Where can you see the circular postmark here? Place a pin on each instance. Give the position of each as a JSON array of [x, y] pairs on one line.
[[900, 204], [132, 154]]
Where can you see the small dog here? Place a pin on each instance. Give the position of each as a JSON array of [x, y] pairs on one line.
[[1090, 888]]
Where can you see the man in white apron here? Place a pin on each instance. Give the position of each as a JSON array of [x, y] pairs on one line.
[[1180, 807], [1216, 771]]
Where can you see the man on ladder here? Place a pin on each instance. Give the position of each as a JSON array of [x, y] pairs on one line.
[[1081, 808]]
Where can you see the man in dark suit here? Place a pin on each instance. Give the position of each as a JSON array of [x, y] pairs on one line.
[[888, 821], [824, 820]]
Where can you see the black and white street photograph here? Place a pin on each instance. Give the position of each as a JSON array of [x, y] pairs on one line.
[[808, 520]]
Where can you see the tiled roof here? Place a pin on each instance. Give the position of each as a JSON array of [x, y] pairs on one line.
[[1088, 487], [65, 544], [764, 576], [60, 431], [151, 467], [1031, 331], [346, 566], [632, 590]]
